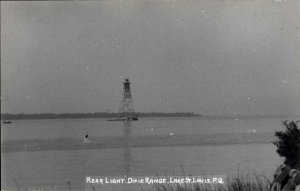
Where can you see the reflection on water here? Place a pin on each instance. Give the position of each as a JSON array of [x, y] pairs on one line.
[[126, 148], [47, 154]]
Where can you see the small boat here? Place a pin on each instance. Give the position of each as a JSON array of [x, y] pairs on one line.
[[6, 122], [135, 118], [117, 119], [124, 119]]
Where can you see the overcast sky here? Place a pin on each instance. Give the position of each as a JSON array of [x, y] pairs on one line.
[[209, 57]]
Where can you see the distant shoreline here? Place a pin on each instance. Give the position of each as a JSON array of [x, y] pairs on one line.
[[21, 116]]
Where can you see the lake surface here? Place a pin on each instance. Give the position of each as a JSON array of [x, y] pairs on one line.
[[52, 154]]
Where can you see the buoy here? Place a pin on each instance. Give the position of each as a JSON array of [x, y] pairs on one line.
[[86, 139]]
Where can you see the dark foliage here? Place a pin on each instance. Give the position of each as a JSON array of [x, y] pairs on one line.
[[288, 142]]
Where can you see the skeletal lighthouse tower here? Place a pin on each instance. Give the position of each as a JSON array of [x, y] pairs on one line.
[[127, 109]]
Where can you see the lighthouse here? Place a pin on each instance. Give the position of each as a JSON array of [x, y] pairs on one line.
[[126, 109]]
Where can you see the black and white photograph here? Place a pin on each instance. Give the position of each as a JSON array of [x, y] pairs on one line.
[[150, 95]]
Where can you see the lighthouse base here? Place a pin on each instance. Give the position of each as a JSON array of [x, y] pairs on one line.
[[124, 119]]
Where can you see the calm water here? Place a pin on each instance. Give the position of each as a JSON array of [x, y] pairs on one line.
[[49, 153]]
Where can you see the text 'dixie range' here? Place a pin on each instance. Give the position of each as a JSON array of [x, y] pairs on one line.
[[211, 179]]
